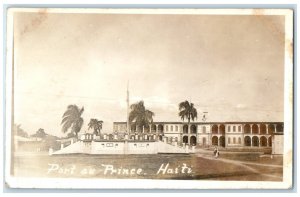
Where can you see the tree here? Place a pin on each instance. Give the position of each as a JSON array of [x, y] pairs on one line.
[[71, 135], [72, 119], [140, 116], [40, 133], [19, 131], [96, 125], [188, 111]]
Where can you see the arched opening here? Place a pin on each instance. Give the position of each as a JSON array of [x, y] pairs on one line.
[[263, 141], [193, 140], [214, 141], [168, 139], [153, 128], [263, 129], [160, 128], [146, 128], [160, 137], [141, 137], [270, 141], [222, 129], [222, 141], [247, 128], [215, 129], [240, 140], [255, 141], [229, 140], [247, 141], [255, 129], [154, 137], [185, 139], [234, 140], [271, 128], [110, 136], [204, 141], [133, 128], [193, 129], [185, 128], [279, 128]]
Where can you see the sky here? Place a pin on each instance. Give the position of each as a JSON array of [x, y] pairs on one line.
[[227, 65]]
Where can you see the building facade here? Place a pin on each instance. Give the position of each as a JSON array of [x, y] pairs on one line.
[[225, 134]]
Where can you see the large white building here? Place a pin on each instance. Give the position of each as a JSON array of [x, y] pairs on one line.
[[225, 134]]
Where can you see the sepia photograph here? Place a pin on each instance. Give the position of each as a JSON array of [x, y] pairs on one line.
[[149, 98]]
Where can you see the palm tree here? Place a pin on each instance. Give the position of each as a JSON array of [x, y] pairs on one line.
[[96, 125], [140, 115], [188, 111], [72, 119]]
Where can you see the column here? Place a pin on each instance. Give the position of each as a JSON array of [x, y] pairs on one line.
[[267, 127], [251, 139], [143, 129], [275, 129], [251, 132]]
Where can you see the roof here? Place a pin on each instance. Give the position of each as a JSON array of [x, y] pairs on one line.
[[257, 122]]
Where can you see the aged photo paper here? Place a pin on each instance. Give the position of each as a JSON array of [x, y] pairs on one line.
[[149, 98]]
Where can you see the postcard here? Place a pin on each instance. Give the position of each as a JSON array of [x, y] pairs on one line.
[[149, 98]]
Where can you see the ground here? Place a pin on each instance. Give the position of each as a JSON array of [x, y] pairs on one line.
[[203, 166]]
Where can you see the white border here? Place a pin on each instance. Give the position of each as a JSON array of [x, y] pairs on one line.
[[162, 184]]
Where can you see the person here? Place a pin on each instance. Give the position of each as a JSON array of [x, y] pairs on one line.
[[215, 151]]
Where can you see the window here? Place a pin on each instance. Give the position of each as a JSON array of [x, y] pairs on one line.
[[171, 128], [167, 128], [240, 128], [228, 128], [233, 128], [234, 140], [240, 140], [204, 129], [176, 128], [109, 145], [229, 140]]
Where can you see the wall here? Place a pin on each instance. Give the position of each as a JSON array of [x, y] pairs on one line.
[[277, 144]]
